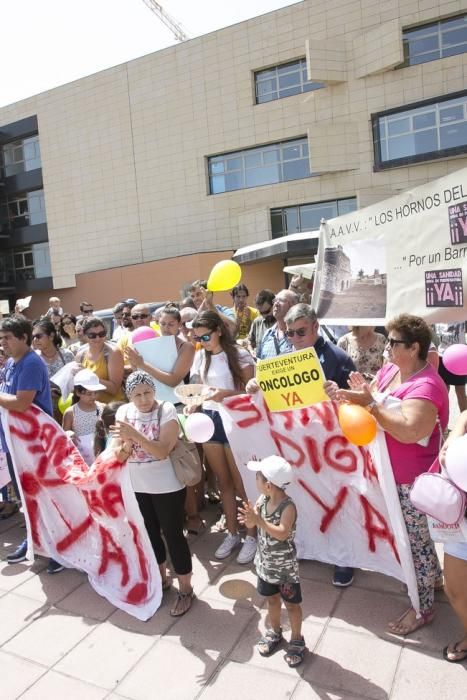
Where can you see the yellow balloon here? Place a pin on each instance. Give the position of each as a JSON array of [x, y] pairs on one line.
[[224, 276], [63, 403]]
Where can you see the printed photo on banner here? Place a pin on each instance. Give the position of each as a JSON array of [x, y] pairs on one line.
[[403, 254], [295, 380]]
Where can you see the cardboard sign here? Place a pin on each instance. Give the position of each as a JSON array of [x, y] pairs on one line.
[[294, 380], [85, 518], [347, 503]]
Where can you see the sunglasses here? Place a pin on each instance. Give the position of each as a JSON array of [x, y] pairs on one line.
[[393, 341], [38, 336], [92, 336], [301, 332], [87, 311], [136, 317], [203, 338]]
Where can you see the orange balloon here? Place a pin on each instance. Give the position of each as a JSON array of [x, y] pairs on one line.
[[358, 426]]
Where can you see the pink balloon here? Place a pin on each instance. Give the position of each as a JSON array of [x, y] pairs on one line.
[[143, 333], [199, 427], [455, 359]]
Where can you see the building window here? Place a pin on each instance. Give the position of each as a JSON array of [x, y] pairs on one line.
[[25, 209], [265, 165], [436, 40], [307, 217], [432, 129], [21, 156], [283, 81], [32, 262]]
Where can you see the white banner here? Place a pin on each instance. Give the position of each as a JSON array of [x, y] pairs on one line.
[[404, 254], [347, 502], [84, 518]]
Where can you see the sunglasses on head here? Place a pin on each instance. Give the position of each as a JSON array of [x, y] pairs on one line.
[[136, 317], [99, 334], [301, 332], [203, 338], [38, 336], [393, 341]]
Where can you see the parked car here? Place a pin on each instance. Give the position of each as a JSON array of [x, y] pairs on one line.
[[108, 318]]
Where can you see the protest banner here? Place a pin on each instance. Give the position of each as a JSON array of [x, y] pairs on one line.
[[294, 380], [347, 502], [4, 473], [404, 254], [84, 518]]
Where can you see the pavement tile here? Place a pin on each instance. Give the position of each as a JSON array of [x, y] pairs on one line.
[[319, 600], [421, 676], [85, 601], [205, 546], [56, 685], [50, 588], [17, 675], [234, 681], [16, 613], [105, 656], [366, 611], [235, 582], [50, 637], [373, 581], [205, 572], [13, 575], [315, 570], [306, 691], [246, 651], [211, 625], [156, 626], [170, 671], [357, 663]]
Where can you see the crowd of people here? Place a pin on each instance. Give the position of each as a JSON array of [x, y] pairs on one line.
[[393, 372]]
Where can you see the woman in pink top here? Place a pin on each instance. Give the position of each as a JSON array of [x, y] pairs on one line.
[[414, 431]]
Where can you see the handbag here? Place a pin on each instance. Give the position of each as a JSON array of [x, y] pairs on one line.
[[434, 494], [185, 458]]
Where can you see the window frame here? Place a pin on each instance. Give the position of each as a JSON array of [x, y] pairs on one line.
[[301, 66], [21, 163], [275, 210], [437, 29], [380, 164]]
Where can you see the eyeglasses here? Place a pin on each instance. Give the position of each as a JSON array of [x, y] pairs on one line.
[[393, 341], [126, 313], [136, 317], [203, 338], [93, 336], [267, 312], [38, 336], [301, 332], [87, 311]]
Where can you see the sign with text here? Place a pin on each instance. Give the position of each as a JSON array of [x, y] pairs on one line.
[[406, 254], [85, 518], [347, 503], [294, 380]]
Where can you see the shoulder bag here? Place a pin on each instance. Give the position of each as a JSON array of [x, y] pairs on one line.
[[184, 457]]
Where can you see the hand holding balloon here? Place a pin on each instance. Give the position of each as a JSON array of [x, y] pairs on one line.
[[224, 276]]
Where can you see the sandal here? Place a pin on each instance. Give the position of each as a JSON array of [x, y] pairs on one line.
[[195, 530], [166, 583], [268, 644], [447, 652], [402, 630], [295, 652], [182, 603]]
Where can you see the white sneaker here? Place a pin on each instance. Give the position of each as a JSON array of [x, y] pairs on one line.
[[227, 546], [248, 550]]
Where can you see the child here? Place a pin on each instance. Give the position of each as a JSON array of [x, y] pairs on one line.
[[79, 421], [276, 563], [55, 307], [102, 434]]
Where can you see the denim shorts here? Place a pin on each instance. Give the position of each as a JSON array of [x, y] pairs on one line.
[[456, 549], [219, 435], [289, 592]]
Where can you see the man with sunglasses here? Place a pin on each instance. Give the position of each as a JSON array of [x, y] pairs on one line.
[[86, 308], [264, 301], [139, 316]]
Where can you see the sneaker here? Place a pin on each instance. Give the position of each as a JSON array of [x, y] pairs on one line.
[[248, 550], [19, 554], [343, 576], [228, 545], [54, 567]]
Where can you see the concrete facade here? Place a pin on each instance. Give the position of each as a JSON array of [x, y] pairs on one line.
[[124, 152]]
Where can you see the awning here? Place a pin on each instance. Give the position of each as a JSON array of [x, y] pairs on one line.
[[306, 270], [295, 245]]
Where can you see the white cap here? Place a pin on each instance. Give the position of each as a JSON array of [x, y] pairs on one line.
[[88, 380], [275, 469]]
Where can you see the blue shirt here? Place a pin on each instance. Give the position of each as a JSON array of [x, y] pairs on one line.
[[272, 346], [28, 374]]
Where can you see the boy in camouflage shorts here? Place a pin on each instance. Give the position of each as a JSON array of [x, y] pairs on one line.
[[275, 516]]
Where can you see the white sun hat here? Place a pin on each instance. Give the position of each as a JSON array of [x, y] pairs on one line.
[[275, 469], [88, 380]]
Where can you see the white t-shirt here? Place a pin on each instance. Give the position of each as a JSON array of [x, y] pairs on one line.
[[219, 374], [149, 475]]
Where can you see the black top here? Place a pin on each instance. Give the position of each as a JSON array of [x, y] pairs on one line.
[[336, 364]]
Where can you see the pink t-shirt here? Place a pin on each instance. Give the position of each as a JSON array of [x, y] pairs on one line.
[[408, 461]]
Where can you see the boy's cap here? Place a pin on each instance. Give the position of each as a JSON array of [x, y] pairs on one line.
[[275, 469]]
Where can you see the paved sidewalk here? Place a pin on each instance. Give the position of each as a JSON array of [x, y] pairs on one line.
[[59, 639]]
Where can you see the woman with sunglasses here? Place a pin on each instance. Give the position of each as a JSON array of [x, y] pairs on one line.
[[103, 359], [225, 368], [68, 330], [410, 402]]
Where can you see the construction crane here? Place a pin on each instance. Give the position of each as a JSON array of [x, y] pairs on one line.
[[176, 29]]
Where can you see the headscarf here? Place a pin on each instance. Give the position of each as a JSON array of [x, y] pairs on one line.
[[136, 378]]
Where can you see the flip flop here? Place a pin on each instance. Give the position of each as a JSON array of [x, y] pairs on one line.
[[454, 650], [425, 619]]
